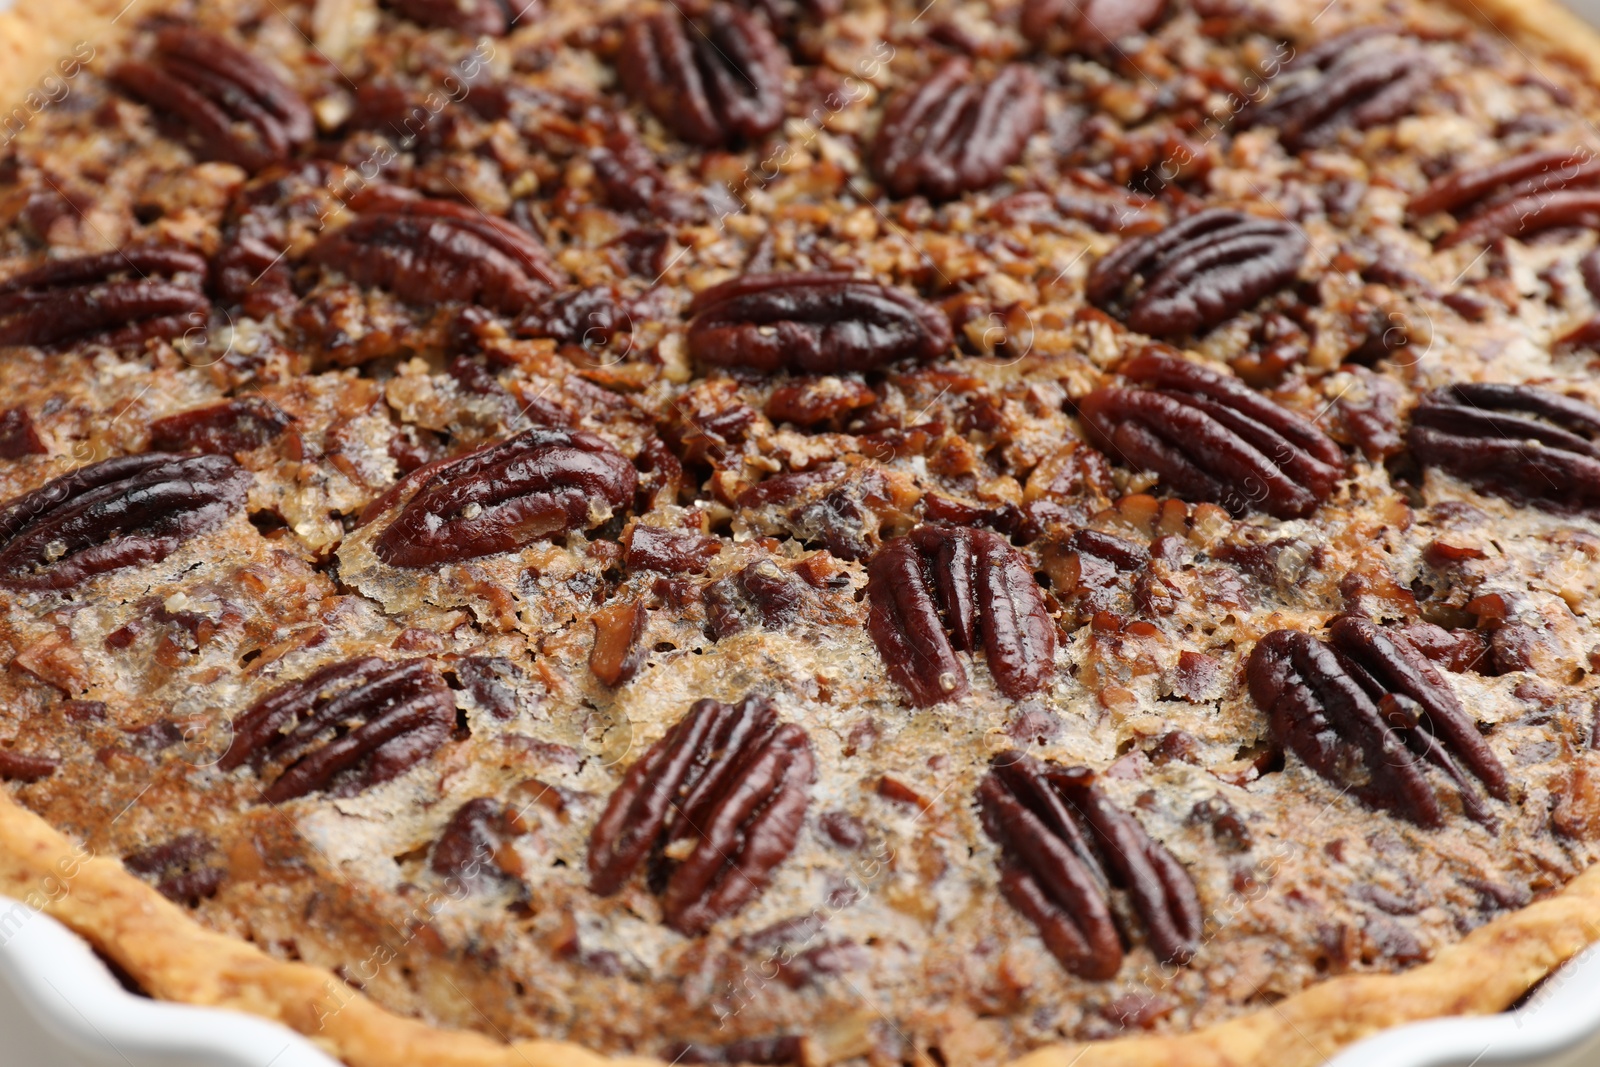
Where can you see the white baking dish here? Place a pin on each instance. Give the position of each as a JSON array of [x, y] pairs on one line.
[[61, 1007]]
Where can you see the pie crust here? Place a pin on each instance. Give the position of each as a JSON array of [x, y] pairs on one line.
[[172, 956]]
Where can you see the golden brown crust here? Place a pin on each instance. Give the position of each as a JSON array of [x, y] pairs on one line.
[[33, 35], [1543, 24], [176, 958]]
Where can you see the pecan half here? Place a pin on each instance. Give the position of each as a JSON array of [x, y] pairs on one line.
[[344, 728], [1196, 273], [114, 298], [1093, 26], [730, 780], [954, 133], [478, 18], [1526, 444], [1211, 438], [1356, 80], [1063, 846], [938, 590], [231, 426], [540, 483], [1516, 197], [113, 514], [819, 323], [435, 251], [714, 84], [236, 108], [1367, 699]]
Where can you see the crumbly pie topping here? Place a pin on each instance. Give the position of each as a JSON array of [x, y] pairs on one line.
[[809, 530]]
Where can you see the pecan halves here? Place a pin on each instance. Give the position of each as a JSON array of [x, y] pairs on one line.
[[954, 133], [1356, 80], [236, 107], [1394, 664], [729, 779], [112, 298], [1211, 438], [486, 18], [1526, 444], [715, 84], [434, 251], [1367, 712], [1516, 197], [1092, 26], [938, 590], [1064, 845], [1198, 272], [344, 728], [113, 514], [819, 323], [540, 483]]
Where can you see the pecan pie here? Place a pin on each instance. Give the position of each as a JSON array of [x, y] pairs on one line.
[[803, 531]]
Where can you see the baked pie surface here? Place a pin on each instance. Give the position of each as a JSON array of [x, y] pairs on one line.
[[820, 533]]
